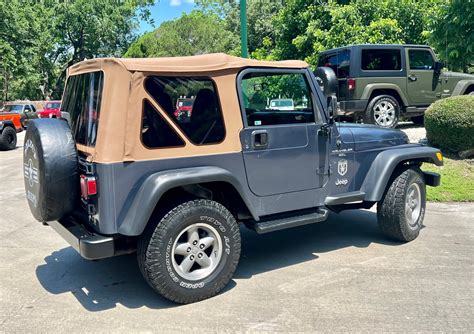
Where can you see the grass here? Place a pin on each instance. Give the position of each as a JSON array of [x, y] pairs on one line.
[[457, 181]]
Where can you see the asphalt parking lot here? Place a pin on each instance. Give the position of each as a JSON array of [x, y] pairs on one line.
[[339, 275]]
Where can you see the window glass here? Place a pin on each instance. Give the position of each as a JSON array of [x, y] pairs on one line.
[[381, 60], [339, 62], [420, 60], [192, 104], [53, 105], [156, 132], [275, 98], [82, 99]]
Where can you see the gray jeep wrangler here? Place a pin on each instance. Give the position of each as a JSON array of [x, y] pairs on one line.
[[128, 174], [380, 83]]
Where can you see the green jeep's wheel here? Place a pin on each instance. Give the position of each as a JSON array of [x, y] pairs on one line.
[[384, 111], [192, 252], [401, 211]]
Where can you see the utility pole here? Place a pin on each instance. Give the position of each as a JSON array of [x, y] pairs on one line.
[[243, 29]]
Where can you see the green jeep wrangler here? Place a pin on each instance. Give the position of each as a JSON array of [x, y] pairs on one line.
[[380, 83]]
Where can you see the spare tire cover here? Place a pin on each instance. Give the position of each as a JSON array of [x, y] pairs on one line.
[[50, 169], [327, 80]]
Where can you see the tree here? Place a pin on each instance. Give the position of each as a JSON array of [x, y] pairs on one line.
[[452, 33], [305, 28], [192, 34], [40, 39]]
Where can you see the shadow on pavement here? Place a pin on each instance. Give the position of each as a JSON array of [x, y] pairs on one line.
[[103, 284]]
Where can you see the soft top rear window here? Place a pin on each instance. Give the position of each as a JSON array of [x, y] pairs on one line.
[[82, 99]]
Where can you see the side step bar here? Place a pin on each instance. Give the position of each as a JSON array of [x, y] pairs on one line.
[[284, 223]]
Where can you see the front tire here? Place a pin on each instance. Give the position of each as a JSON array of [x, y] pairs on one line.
[[192, 252], [8, 139], [384, 111], [401, 211]]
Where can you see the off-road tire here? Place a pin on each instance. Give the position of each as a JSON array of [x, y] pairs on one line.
[[391, 209], [369, 115], [8, 139], [418, 120], [155, 244]]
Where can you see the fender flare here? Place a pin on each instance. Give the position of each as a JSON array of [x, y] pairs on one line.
[[371, 87], [143, 203], [384, 165], [462, 86], [4, 124]]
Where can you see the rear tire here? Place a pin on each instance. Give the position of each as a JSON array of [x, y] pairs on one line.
[[401, 211], [8, 139], [191, 253], [384, 111]]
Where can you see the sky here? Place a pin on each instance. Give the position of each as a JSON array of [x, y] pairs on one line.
[[165, 10]]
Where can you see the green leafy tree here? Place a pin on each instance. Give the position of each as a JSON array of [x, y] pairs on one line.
[[452, 33], [191, 34], [40, 39]]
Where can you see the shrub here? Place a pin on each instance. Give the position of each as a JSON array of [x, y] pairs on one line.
[[449, 124]]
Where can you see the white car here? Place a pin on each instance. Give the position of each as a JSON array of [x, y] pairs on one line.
[[282, 104]]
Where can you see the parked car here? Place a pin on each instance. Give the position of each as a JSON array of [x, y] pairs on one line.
[[282, 104], [135, 179], [184, 109], [52, 109], [10, 124], [26, 110], [381, 83]]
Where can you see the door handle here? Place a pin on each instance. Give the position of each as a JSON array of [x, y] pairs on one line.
[[260, 139], [412, 77]]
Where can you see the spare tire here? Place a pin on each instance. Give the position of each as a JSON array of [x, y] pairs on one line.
[[50, 169], [327, 80]]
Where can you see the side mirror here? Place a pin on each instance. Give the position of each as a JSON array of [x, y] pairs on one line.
[[438, 66]]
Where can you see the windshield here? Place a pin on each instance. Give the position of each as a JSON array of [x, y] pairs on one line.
[[82, 99], [14, 108], [53, 105]]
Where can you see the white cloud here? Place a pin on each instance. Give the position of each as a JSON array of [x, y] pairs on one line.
[[176, 3]]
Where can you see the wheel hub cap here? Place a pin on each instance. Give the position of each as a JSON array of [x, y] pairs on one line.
[[413, 205], [384, 113], [196, 252]]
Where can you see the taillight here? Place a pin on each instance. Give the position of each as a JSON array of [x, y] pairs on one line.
[[88, 186], [351, 84]]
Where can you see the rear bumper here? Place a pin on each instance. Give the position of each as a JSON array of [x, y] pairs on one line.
[[89, 245], [353, 106]]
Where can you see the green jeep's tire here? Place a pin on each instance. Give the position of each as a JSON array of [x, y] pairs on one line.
[[401, 211], [192, 252], [384, 111], [7, 139]]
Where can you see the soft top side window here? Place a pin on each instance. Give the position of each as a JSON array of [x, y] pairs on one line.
[[193, 105], [272, 98]]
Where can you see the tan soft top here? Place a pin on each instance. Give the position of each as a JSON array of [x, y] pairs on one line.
[[124, 94], [202, 63]]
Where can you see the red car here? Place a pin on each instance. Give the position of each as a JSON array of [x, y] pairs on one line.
[[52, 109], [184, 108]]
